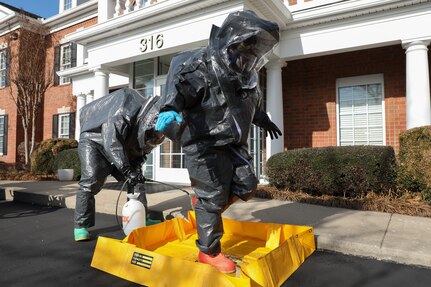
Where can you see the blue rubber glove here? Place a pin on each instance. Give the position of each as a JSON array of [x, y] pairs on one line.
[[166, 118]]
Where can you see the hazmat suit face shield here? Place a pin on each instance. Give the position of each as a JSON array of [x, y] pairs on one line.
[[249, 54], [242, 44], [242, 57], [152, 139]]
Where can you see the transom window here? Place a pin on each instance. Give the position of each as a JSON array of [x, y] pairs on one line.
[[360, 110]]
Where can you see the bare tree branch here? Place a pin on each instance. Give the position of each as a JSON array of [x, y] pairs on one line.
[[30, 75]]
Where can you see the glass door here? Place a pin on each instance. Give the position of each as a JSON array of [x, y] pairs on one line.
[[168, 157]]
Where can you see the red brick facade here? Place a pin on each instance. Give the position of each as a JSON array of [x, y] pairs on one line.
[[56, 97], [59, 96], [309, 90]]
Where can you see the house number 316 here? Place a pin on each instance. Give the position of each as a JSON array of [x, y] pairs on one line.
[[151, 43]]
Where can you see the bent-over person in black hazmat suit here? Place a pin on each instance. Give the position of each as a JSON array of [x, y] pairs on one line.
[[117, 132]]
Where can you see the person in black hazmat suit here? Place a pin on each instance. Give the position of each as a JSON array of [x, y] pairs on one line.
[[214, 91], [117, 132]]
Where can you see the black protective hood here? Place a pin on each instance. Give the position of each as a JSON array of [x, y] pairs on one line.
[[243, 37]]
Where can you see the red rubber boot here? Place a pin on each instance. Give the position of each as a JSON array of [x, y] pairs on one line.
[[194, 201], [219, 261]]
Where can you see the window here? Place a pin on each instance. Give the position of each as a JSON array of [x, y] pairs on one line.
[[171, 155], [63, 125], [163, 64], [64, 58], [360, 111], [3, 69], [67, 4], [144, 77], [3, 134]]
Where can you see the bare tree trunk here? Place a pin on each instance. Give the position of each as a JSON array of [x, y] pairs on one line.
[[26, 151]]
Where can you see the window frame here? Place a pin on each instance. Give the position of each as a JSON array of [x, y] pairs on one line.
[[3, 147], [67, 4], [358, 81], [56, 125], [60, 64], [4, 71], [65, 62]]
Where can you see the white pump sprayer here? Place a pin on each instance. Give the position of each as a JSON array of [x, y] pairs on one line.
[[133, 214]]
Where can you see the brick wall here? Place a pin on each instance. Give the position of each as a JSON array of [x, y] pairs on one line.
[[14, 122], [309, 94], [59, 96], [56, 97]]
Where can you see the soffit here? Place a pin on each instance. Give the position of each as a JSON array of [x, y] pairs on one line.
[[273, 10]]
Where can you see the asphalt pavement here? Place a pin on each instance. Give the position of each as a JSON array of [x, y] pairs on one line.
[[384, 236], [37, 249]]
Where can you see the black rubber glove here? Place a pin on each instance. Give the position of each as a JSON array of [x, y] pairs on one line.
[[272, 130], [133, 176]]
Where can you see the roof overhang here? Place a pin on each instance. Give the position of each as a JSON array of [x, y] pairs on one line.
[[273, 10]]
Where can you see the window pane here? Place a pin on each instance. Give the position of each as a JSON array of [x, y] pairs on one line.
[[67, 4], [2, 133], [346, 94], [165, 161], [165, 147], [144, 77], [3, 68], [148, 166], [63, 126], [171, 155], [361, 114], [164, 63], [176, 161], [361, 120]]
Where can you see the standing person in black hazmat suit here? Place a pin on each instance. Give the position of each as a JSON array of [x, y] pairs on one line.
[[216, 90], [117, 132]]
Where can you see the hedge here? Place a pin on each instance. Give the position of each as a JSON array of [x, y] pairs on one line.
[[69, 158], [43, 157], [414, 161], [349, 171]]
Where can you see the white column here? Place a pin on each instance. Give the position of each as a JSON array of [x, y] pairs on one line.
[[138, 4], [129, 7], [80, 102], [89, 97], [119, 7], [105, 10], [101, 79], [418, 108], [274, 104]]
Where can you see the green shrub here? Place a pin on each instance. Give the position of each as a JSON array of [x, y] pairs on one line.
[[69, 158], [414, 161], [43, 157], [342, 171]]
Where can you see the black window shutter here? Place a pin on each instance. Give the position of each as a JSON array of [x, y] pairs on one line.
[[5, 136], [56, 65], [55, 126], [73, 54], [72, 125]]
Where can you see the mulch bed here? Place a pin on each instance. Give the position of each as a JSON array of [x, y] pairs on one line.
[[27, 176], [406, 204]]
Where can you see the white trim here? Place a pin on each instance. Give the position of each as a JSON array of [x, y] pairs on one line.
[[360, 80]]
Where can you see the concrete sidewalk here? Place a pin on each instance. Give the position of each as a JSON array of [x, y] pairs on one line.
[[385, 236]]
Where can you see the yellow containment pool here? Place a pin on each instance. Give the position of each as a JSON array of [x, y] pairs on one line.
[[165, 254]]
